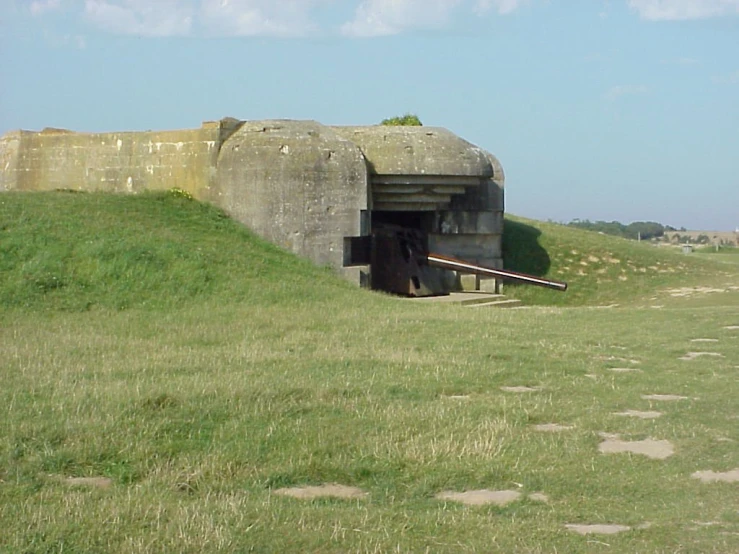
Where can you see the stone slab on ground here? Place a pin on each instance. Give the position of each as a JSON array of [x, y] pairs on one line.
[[326, 490], [694, 355], [639, 414], [597, 529], [480, 497], [731, 476], [94, 482], [552, 427], [520, 388], [655, 449], [462, 298]]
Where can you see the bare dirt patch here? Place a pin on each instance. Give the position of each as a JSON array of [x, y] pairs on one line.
[[663, 397], [330, 490], [480, 497], [552, 427], [713, 477], [637, 413], [625, 369], [694, 355], [520, 389], [597, 529], [538, 497], [703, 340], [655, 449], [457, 396], [732, 327], [94, 482]]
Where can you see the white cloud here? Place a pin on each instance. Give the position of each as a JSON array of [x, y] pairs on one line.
[[624, 90], [142, 17], [299, 17], [390, 17], [501, 6], [160, 18], [39, 7], [259, 17], [212, 17], [675, 10]]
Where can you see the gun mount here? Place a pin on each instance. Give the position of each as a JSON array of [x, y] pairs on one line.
[[402, 264]]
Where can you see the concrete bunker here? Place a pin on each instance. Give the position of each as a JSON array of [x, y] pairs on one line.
[[429, 190], [361, 200]]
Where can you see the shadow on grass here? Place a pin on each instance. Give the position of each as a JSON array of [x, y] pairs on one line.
[[522, 251]]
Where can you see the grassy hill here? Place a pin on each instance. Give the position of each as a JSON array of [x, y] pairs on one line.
[[166, 375], [600, 269], [75, 251]]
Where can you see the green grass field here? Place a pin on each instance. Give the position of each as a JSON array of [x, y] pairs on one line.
[[192, 371]]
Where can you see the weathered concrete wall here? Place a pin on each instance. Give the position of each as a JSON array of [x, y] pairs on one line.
[[418, 151], [472, 228], [9, 147], [298, 184], [474, 236], [115, 162]]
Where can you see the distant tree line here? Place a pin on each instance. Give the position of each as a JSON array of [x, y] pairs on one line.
[[644, 230]]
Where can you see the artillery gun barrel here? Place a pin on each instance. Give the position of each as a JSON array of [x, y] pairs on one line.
[[447, 262]]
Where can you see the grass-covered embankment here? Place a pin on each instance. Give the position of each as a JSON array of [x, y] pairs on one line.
[[600, 269], [76, 251]]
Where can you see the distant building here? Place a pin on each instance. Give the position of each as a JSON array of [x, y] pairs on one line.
[[726, 238]]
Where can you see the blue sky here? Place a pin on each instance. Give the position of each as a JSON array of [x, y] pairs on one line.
[[618, 109]]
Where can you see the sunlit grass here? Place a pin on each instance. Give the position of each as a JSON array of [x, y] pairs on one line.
[[199, 406], [600, 269]]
